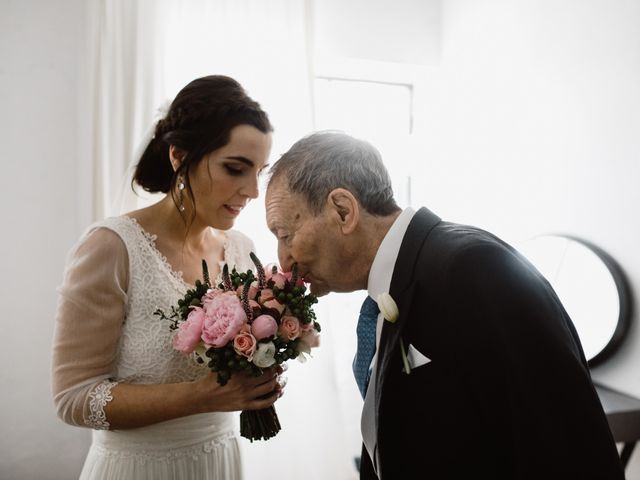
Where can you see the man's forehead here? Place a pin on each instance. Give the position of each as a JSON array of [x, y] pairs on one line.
[[284, 209], [278, 202]]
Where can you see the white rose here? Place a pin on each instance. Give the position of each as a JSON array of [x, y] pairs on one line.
[[200, 353], [263, 357]]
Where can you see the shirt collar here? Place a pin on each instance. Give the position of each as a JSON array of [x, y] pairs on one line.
[[384, 262]]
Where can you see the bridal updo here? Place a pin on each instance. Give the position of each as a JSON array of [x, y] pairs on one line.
[[199, 121]]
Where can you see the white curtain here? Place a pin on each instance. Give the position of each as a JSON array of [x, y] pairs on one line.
[[123, 89], [144, 51]]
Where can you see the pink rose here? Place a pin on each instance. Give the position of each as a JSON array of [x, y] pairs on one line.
[[264, 326], [310, 339], [274, 306], [266, 294], [245, 344], [289, 328], [279, 280], [223, 320], [255, 307], [253, 290], [305, 327], [187, 336], [268, 270]]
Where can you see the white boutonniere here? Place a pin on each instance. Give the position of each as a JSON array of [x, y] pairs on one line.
[[390, 312], [388, 307]]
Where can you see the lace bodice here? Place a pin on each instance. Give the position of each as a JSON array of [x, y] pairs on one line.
[[144, 352]]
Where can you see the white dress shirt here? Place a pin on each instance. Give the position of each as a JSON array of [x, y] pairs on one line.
[[379, 282]]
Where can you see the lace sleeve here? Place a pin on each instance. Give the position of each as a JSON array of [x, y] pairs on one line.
[[99, 396], [89, 317]]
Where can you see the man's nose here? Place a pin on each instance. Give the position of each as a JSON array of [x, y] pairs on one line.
[[284, 257]]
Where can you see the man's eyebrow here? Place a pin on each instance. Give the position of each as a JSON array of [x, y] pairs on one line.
[[274, 227]]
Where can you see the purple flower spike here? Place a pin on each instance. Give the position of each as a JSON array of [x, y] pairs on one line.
[[245, 300], [262, 278], [294, 274], [205, 273], [226, 279]]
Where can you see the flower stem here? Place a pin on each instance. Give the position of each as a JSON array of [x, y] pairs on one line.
[[259, 424]]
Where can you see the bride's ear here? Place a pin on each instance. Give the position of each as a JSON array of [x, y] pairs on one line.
[[176, 156], [344, 209]]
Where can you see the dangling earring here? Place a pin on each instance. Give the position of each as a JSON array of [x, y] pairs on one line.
[[180, 197]]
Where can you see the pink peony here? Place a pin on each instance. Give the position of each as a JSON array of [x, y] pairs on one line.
[[264, 326], [289, 328], [245, 344], [187, 336], [210, 295], [223, 320]]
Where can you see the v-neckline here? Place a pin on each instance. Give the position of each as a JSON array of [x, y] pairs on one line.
[[176, 274]]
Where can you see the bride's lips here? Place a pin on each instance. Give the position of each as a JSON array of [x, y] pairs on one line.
[[234, 209]]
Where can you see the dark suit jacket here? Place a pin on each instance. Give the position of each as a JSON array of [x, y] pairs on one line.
[[507, 394]]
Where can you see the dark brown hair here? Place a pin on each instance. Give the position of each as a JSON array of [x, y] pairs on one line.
[[199, 121]]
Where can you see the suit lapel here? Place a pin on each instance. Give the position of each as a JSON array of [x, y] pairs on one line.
[[402, 291]]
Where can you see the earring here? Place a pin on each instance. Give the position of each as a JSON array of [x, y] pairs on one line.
[[180, 189]]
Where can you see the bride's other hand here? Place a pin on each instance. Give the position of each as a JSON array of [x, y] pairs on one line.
[[243, 391]]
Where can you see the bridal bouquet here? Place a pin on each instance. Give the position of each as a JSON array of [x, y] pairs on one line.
[[248, 322]]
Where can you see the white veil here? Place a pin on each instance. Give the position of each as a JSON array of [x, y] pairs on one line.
[[130, 196]]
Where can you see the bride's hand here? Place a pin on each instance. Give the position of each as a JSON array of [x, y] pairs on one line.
[[243, 391]]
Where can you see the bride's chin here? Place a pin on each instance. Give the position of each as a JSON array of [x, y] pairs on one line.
[[218, 223]]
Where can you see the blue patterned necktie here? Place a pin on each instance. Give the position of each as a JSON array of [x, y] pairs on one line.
[[366, 331]]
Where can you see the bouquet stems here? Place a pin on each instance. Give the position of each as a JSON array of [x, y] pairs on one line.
[[259, 424]]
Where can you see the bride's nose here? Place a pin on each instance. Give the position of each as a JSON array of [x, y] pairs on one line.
[[251, 187]]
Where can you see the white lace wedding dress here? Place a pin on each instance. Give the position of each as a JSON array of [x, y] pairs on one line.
[[106, 333]]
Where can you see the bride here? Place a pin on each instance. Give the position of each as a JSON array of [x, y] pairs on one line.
[[155, 412]]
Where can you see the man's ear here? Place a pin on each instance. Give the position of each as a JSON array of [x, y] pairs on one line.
[[344, 209], [176, 156]]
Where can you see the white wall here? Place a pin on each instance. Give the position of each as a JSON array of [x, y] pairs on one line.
[[533, 126], [38, 207]]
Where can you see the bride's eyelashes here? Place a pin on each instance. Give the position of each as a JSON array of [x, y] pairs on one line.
[[237, 170], [233, 170]]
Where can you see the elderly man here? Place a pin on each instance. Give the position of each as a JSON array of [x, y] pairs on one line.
[[479, 372]]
